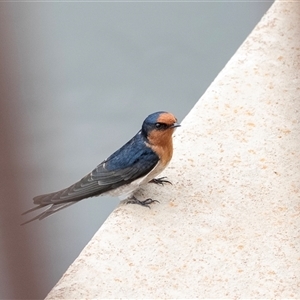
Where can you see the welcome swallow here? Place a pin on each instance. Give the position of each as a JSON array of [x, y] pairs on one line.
[[136, 163]]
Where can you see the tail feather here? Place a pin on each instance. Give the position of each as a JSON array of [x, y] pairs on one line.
[[49, 211], [86, 187]]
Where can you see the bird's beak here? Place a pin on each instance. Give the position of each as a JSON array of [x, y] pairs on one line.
[[175, 125]]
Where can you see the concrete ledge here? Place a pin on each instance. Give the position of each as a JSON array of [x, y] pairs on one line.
[[229, 227]]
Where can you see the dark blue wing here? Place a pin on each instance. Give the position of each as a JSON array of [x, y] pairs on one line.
[[130, 162]]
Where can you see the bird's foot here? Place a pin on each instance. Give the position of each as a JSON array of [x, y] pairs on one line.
[[146, 202], [160, 181]]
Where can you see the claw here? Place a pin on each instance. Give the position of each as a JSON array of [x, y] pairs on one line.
[[146, 202], [160, 180]]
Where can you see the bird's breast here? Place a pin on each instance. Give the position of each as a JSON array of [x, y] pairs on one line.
[[162, 145]]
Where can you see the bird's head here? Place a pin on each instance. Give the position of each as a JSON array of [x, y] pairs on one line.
[[159, 125]]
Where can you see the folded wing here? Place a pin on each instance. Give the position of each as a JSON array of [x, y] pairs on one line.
[[130, 162]]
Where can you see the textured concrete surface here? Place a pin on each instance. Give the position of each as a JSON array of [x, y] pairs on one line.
[[229, 226]]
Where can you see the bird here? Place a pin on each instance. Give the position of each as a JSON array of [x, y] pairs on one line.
[[135, 164]]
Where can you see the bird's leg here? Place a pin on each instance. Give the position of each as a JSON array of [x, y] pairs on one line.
[[160, 180], [146, 202]]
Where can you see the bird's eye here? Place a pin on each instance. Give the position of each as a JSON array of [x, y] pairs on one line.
[[161, 126]]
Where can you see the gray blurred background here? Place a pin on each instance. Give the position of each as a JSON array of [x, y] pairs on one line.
[[76, 82]]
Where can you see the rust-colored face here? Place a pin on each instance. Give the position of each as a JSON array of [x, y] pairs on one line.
[[160, 138], [167, 118]]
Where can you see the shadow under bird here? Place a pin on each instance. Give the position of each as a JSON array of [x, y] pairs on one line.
[[136, 163]]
